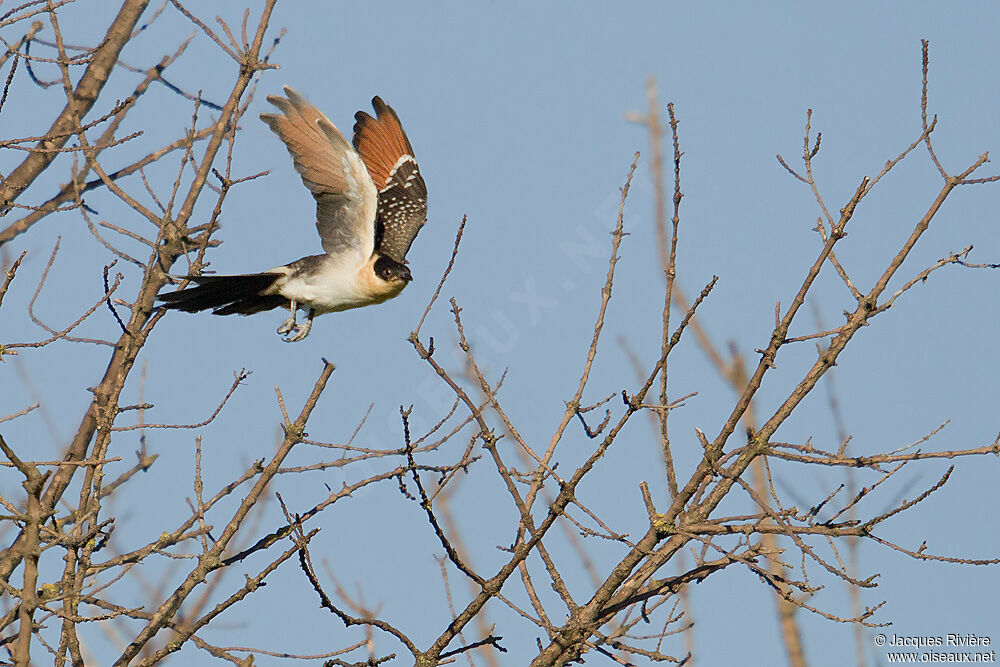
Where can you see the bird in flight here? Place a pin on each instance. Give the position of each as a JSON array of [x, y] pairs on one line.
[[370, 203]]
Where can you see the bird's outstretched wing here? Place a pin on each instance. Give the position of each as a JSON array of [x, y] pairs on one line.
[[402, 193], [346, 198]]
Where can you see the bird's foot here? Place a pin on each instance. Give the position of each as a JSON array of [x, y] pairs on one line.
[[288, 325], [298, 331]]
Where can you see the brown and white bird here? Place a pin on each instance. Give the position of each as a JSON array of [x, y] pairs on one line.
[[370, 203]]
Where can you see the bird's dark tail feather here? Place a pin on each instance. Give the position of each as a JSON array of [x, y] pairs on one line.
[[226, 295]]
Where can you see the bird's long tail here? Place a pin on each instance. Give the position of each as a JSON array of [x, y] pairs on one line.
[[226, 295]]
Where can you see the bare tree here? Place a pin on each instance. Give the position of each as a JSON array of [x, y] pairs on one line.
[[63, 572]]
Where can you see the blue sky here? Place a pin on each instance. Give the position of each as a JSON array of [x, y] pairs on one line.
[[517, 114]]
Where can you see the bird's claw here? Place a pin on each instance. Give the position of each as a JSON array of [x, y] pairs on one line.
[[297, 332]]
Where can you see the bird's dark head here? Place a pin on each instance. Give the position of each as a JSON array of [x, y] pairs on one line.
[[392, 271]]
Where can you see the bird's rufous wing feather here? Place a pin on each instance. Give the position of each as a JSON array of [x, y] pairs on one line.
[[402, 193], [346, 198]]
